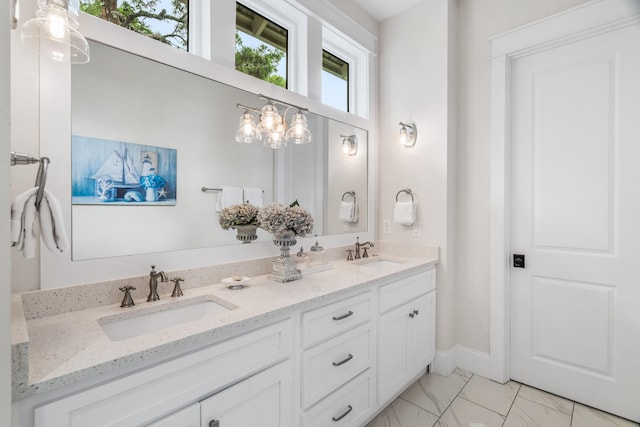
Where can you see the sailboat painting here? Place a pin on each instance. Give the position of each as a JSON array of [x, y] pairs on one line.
[[121, 173]]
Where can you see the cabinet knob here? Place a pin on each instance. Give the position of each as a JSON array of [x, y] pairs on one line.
[[344, 414], [214, 423], [411, 314]]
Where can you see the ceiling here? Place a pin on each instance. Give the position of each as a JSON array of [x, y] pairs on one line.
[[383, 9]]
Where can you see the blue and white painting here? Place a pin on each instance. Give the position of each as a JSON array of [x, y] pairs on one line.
[[121, 173]]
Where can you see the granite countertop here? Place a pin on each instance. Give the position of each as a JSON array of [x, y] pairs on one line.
[[52, 351]]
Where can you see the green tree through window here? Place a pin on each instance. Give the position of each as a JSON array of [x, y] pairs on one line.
[[261, 62], [261, 46], [164, 20]]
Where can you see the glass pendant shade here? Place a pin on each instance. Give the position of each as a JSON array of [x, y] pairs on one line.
[[349, 145], [269, 119], [246, 133], [54, 32], [298, 132], [275, 138], [408, 136]]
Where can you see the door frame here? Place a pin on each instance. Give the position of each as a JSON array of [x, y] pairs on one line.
[[581, 22]]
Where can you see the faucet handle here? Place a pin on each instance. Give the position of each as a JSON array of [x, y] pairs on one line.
[[127, 301], [349, 254], [177, 290], [364, 253]]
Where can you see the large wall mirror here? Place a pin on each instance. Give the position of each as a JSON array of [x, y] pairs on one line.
[[123, 98]]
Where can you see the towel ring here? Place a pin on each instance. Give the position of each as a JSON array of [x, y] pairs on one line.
[[405, 190], [349, 193]]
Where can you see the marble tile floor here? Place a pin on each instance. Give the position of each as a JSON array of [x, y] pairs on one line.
[[466, 400]]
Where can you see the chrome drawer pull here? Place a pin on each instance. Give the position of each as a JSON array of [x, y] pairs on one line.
[[342, 362], [349, 409], [344, 316]]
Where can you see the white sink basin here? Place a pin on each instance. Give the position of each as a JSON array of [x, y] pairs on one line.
[[147, 322], [380, 263]]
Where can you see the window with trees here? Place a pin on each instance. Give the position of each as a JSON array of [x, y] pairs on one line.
[[164, 20], [335, 81], [261, 46]]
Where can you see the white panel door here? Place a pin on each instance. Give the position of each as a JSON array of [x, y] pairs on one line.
[[575, 307]]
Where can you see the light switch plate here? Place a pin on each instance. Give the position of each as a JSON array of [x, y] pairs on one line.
[[386, 226]]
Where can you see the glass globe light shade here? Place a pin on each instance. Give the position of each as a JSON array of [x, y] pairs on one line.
[[246, 133], [54, 32], [298, 132], [269, 118], [407, 139]]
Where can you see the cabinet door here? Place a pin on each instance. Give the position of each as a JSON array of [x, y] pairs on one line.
[[264, 400], [392, 352], [421, 334], [406, 344]]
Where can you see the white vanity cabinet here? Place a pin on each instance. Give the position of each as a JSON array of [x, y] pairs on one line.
[[251, 369], [406, 332], [337, 362]]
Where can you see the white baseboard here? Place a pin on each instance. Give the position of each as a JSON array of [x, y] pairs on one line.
[[465, 358], [445, 362]]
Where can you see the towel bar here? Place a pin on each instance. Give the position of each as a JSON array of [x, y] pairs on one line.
[[41, 175]]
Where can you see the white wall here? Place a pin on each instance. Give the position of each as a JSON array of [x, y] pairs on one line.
[[435, 71], [414, 80], [477, 21]]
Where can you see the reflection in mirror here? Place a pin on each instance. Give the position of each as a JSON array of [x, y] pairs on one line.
[[122, 97]]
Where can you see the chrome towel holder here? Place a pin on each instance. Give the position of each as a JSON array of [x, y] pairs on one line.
[[41, 177], [407, 191], [349, 193]]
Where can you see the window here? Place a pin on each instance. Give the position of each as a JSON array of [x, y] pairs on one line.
[[164, 20], [261, 46], [335, 81]]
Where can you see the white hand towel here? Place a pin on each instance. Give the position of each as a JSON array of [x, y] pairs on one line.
[[253, 195], [52, 231], [348, 211], [229, 196], [404, 213], [24, 227]]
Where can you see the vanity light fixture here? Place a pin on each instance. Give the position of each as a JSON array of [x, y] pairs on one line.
[[272, 127], [408, 134], [349, 144], [54, 32]]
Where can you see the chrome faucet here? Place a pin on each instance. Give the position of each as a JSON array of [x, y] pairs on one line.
[[153, 283], [364, 246]]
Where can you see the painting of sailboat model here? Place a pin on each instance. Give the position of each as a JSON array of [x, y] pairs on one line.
[[121, 173]]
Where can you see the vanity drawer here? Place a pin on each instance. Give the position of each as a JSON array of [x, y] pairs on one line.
[[331, 364], [331, 320], [350, 406], [407, 289]]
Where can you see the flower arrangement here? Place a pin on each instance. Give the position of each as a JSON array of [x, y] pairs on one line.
[[276, 219], [236, 215]]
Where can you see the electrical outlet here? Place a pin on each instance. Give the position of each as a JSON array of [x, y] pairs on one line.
[[386, 226], [416, 229]]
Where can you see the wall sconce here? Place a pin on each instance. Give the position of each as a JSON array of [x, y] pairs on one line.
[[54, 32], [272, 127], [408, 134], [349, 144]]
